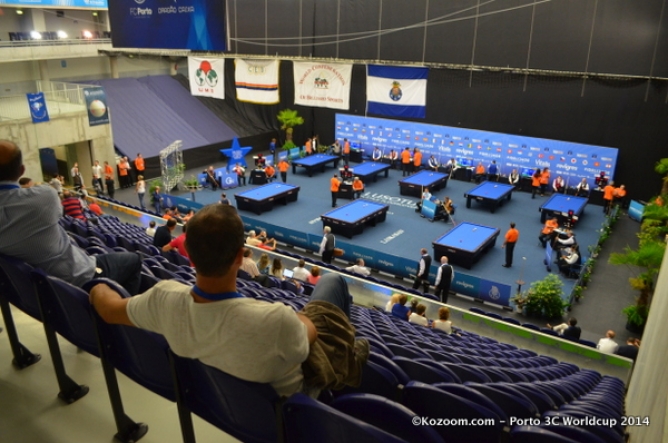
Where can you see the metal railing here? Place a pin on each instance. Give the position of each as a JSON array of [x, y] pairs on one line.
[[61, 98], [64, 42]]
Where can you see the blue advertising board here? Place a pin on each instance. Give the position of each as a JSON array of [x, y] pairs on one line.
[[573, 161], [38, 111], [96, 103], [198, 25], [494, 292]]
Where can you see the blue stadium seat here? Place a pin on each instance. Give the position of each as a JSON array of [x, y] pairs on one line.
[[375, 380], [307, 420], [391, 366], [147, 282], [421, 371], [474, 396], [531, 326], [387, 415], [514, 404]]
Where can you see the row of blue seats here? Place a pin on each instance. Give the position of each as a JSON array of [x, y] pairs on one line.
[[531, 326]]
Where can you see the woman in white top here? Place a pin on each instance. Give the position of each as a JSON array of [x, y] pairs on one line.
[[141, 190], [443, 323], [393, 300], [277, 268], [418, 317]]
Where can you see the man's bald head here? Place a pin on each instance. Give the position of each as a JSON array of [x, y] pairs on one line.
[[11, 161]]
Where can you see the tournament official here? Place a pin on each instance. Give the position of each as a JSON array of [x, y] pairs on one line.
[[546, 234], [358, 188], [417, 160], [608, 195], [509, 244], [405, 162], [283, 167], [271, 173], [334, 185], [544, 181], [479, 172], [620, 196], [346, 151]]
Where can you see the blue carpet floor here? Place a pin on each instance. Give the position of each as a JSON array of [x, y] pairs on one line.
[[405, 232]]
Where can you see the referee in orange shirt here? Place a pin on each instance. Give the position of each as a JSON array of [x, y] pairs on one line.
[[405, 162], [334, 184], [283, 167], [509, 244]]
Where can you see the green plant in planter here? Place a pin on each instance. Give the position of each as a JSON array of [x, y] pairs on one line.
[[288, 119], [543, 298], [153, 184], [192, 182], [289, 145]]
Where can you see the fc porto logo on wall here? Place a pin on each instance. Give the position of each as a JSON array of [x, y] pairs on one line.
[[395, 92], [206, 75], [321, 82]]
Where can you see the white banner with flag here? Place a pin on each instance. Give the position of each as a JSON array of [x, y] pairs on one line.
[[323, 85], [396, 91], [256, 81], [206, 77]]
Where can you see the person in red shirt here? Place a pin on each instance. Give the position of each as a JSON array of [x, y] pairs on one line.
[[94, 207], [608, 195], [334, 185], [405, 161], [72, 206], [509, 244], [358, 188], [178, 243]]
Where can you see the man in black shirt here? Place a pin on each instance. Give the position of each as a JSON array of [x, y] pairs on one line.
[[570, 330], [163, 235], [444, 277], [629, 350]]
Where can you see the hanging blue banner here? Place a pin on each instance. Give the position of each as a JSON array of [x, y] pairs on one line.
[[96, 103], [37, 104]]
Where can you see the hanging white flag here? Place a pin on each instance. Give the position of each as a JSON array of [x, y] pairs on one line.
[[206, 77], [323, 85], [256, 81]]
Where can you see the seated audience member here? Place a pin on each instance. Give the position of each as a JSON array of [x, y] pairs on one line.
[[30, 232], [607, 344], [163, 235], [253, 239], [72, 206], [26, 182], [394, 299], [268, 244], [270, 172], [57, 183], [450, 166], [314, 276], [211, 178], [168, 214], [567, 242], [150, 231], [432, 163], [400, 309], [188, 216], [558, 185], [582, 189], [300, 272], [249, 266], [359, 268], [418, 317], [95, 208], [263, 264], [443, 322], [548, 231], [294, 352], [178, 243], [568, 330], [224, 200], [629, 350], [277, 268]]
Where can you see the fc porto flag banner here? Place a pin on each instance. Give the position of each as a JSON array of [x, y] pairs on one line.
[[396, 91], [96, 103], [323, 85], [198, 25], [256, 81], [38, 110], [206, 77]]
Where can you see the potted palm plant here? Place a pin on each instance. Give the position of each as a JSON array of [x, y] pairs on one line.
[[288, 119]]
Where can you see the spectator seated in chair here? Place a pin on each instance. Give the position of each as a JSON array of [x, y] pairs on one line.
[[568, 330]]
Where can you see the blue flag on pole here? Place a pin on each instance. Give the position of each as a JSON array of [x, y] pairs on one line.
[[37, 104], [396, 91], [96, 103]]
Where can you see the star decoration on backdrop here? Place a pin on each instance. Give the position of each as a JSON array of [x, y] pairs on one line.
[[236, 154]]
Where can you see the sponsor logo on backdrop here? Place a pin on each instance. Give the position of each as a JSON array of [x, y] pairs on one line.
[[141, 12]]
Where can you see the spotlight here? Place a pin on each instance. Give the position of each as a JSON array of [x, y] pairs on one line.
[[94, 14], [87, 34], [19, 12], [35, 35], [61, 34]]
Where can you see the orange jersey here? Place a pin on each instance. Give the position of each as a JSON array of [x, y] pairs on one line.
[[512, 235], [550, 226], [417, 158], [619, 193], [358, 185], [480, 169], [608, 192], [544, 178], [405, 156], [108, 171], [535, 181], [346, 148], [270, 171], [139, 164], [283, 166], [334, 184], [309, 150], [123, 167]]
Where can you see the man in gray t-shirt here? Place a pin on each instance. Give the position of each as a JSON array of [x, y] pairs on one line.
[[247, 338]]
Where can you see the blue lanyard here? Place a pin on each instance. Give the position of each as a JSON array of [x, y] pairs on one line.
[[216, 297], [3, 187]]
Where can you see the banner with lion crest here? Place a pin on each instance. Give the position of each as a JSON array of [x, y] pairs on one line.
[[323, 84]]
